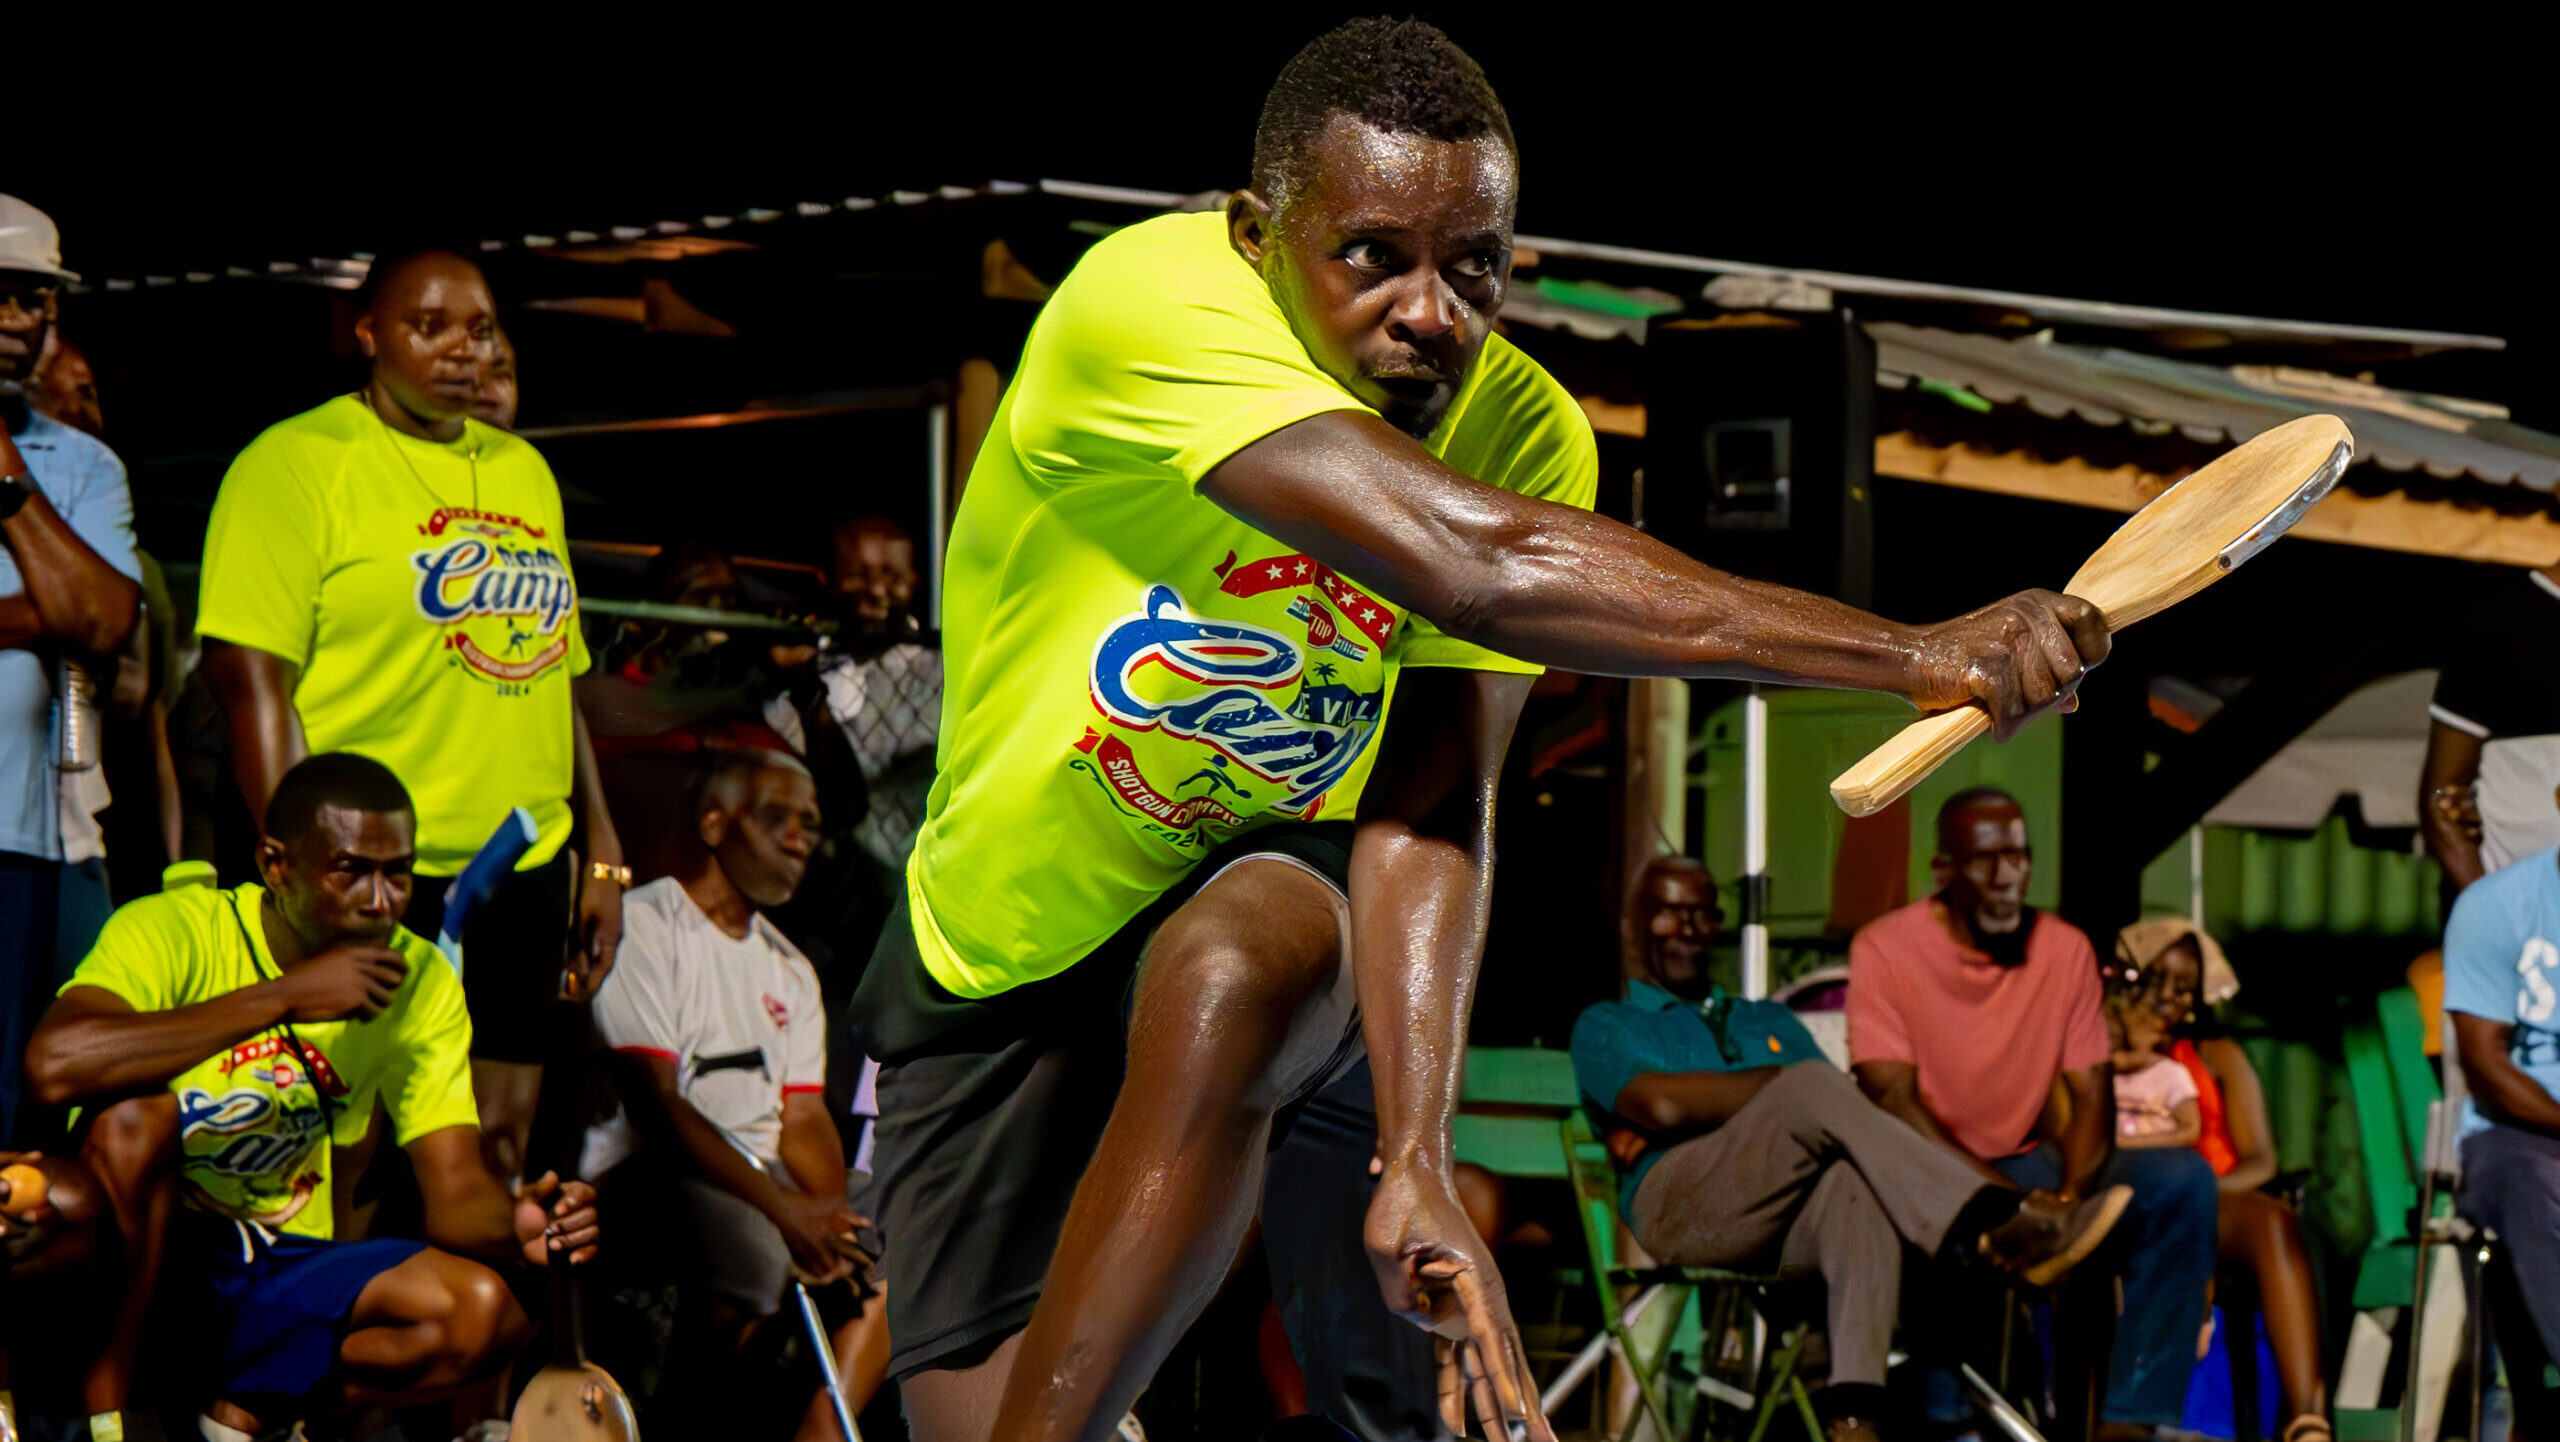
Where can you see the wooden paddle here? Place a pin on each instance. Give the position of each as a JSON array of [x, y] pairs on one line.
[[2189, 537], [571, 1399]]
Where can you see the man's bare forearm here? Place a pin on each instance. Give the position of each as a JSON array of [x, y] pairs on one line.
[[663, 1116], [2454, 850], [80, 1052], [586, 787], [78, 597], [19, 623], [1561, 586], [1895, 1088], [256, 691], [1421, 891], [1418, 917], [2499, 1087], [812, 1152], [2090, 1137]]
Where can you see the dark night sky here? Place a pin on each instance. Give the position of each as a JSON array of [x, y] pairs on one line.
[[2378, 179]]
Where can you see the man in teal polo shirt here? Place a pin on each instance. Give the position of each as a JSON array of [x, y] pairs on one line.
[[1749, 1149]]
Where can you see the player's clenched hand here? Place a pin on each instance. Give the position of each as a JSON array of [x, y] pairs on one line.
[[348, 982], [2013, 657], [1437, 1273], [553, 1217]]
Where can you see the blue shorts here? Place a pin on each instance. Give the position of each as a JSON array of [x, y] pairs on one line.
[[275, 1306]]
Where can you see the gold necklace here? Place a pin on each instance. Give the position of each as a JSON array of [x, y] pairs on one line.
[[472, 456]]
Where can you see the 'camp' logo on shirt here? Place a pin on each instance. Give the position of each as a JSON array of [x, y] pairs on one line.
[[1231, 689], [521, 597]]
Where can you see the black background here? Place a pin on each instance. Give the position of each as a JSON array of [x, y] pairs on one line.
[[2291, 165]]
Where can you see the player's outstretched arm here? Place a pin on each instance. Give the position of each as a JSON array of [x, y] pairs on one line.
[[1421, 874], [1566, 588]]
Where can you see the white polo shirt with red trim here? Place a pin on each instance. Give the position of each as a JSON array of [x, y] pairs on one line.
[[738, 1016]]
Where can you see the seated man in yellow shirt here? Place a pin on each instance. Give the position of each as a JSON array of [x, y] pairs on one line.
[[254, 1026]]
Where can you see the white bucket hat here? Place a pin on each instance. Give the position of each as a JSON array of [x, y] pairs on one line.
[[29, 242]]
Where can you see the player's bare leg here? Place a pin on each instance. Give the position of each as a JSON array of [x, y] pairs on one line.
[[426, 1329], [1226, 1027], [429, 1327], [862, 1360], [132, 1148]]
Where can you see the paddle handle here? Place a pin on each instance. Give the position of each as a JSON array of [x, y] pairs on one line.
[[1890, 771]]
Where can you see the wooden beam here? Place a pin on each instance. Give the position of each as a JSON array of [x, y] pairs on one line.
[[2394, 522]]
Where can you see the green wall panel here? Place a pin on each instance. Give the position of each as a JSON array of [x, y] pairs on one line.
[[1814, 736]]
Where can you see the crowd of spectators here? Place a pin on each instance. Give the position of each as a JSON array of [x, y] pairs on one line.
[[196, 1080], [199, 1071]]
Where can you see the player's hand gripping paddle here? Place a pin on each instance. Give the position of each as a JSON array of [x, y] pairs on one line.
[[571, 1399], [2189, 537]]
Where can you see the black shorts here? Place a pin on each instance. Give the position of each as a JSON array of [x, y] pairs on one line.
[[512, 952], [990, 1109]]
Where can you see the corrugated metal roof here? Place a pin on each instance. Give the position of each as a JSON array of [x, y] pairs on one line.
[[2214, 405]]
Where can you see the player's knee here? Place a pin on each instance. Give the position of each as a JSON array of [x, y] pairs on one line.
[[484, 1327], [1217, 978], [134, 1137]]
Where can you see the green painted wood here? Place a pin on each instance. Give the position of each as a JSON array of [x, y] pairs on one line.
[[2415, 1085], [1508, 1146], [1518, 1076], [2387, 1276], [2366, 1424]]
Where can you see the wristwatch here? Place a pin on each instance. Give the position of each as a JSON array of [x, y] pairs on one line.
[[607, 871], [14, 491]]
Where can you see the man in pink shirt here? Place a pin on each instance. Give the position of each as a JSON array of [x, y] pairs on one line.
[[1964, 1010]]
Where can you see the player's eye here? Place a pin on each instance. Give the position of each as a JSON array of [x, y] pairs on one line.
[[1475, 267], [1367, 255]]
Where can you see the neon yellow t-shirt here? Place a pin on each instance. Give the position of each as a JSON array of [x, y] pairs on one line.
[[250, 1120], [1132, 675], [436, 628]]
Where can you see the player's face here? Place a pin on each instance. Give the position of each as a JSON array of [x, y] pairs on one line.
[[1988, 866], [348, 880], [430, 333], [766, 845], [1678, 914], [1392, 260]]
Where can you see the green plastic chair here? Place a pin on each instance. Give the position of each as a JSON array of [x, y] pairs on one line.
[[2393, 1084], [1521, 1116]]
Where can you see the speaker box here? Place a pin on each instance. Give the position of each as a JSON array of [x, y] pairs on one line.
[[1760, 439]]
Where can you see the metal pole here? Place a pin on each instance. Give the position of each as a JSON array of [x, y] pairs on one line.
[[938, 501], [2195, 875], [1755, 845]]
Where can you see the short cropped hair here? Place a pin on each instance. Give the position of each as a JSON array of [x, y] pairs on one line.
[[1400, 76], [733, 761], [1963, 801], [333, 778]]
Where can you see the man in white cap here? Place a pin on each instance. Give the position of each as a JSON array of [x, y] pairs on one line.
[[69, 588]]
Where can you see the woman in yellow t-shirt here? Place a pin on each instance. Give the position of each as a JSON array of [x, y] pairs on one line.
[[387, 575]]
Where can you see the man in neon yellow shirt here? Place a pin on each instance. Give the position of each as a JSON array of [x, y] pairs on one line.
[[387, 575], [263, 1023], [1263, 479]]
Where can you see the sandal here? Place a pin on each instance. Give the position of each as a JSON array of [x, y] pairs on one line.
[[2309, 1427]]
